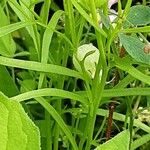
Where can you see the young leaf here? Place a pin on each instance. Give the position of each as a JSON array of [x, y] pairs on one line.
[[90, 55], [121, 141], [135, 48], [17, 131]]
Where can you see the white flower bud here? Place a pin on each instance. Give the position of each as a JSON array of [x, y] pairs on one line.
[[90, 60]]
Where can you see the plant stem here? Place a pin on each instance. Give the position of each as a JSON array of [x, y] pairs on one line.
[[98, 85]]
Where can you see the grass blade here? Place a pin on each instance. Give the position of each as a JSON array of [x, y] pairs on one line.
[[50, 92], [36, 66]]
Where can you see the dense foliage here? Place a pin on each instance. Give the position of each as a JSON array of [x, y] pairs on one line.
[[74, 74]]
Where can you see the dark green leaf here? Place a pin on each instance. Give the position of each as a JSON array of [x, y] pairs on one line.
[[7, 85]]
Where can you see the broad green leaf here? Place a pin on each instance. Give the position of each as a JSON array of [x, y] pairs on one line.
[[135, 48], [17, 131], [7, 45], [7, 85], [120, 141], [138, 15]]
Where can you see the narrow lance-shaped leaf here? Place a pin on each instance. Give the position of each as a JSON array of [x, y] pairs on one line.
[[7, 45], [47, 40], [36, 66]]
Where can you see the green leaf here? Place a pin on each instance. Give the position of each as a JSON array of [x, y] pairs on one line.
[[126, 92], [85, 4], [25, 15], [140, 141], [2, 3], [99, 3], [47, 37], [121, 117], [88, 18], [17, 131], [139, 15], [7, 85], [105, 19], [119, 141], [7, 45], [136, 29], [32, 65], [13, 27], [50, 92], [29, 84], [59, 120], [135, 48], [123, 64]]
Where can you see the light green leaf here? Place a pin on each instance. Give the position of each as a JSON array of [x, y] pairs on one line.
[[86, 3], [87, 17], [120, 141], [7, 45], [140, 141], [139, 15], [117, 92], [50, 92], [121, 117], [17, 131], [135, 48], [13, 27], [47, 37], [25, 15], [123, 64], [36, 66], [136, 29]]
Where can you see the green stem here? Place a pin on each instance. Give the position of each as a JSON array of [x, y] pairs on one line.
[[98, 86], [48, 131]]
